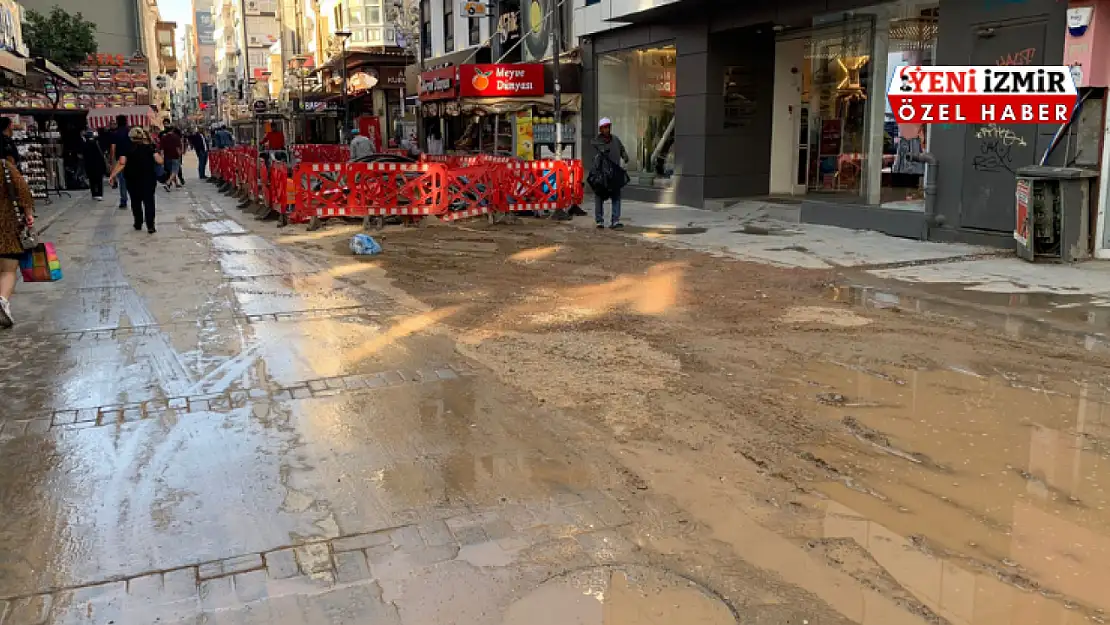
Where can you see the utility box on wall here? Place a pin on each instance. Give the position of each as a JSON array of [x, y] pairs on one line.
[[1053, 213], [1087, 42]]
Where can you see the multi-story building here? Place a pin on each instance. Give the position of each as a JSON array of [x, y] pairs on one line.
[[719, 100], [357, 39], [467, 110], [243, 31], [204, 45], [186, 92]]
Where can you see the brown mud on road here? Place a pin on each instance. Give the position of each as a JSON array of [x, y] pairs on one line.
[[783, 446]]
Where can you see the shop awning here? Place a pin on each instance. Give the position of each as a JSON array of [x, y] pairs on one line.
[[136, 116], [47, 67]]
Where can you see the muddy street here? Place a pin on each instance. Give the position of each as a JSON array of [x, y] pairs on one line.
[[531, 423]]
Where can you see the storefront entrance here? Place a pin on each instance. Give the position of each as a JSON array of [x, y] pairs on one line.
[[831, 141]]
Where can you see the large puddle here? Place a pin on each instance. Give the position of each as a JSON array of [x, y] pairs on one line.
[[982, 496]]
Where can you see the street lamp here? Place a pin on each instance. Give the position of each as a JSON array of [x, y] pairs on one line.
[[343, 36]]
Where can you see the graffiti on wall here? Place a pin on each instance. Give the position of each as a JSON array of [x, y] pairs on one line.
[[1006, 135], [1020, 57]]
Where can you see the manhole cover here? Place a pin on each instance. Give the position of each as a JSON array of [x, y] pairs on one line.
[[619, 596]]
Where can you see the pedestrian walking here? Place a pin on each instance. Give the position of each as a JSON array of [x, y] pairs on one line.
[[200, 145], [609, 169], [95, 165], [17, 215], [120, 147], [361, 146], [170, 144], [139, 169]]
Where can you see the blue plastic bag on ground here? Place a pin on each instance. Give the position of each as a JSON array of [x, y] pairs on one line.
[[365, 245]]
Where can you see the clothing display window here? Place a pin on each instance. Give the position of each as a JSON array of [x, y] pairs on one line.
[[839, 95]]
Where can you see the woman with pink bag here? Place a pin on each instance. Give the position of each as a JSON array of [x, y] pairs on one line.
[[17, 215]]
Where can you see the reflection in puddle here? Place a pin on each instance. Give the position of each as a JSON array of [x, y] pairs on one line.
[[1084, 320], [627, 596], [984, 497]]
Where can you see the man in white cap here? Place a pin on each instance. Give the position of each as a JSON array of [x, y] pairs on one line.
[[609, 146]]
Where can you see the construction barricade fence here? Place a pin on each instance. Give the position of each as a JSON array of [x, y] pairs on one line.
[[328, 190], [448, 187]]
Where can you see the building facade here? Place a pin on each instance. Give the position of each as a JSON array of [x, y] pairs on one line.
[[719, 101], [243, 32]]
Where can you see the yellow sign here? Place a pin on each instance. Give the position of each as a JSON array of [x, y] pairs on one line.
[[525, 138]]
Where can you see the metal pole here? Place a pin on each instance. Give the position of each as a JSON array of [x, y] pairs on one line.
[[346, 111], [557, 45], [246, 91], [495, 26], [421, 136]]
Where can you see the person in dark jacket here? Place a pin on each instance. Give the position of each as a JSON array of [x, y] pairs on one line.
[[200, 146], [609, 146], [139, 168], [95, 165]]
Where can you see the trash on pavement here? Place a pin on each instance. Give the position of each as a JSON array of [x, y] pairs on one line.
[[365, 245]]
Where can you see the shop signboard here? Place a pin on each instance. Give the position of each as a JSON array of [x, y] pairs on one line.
[[206, 28], [362, 81], [391, 77], [501, 80], [438, 84], [111, 80]]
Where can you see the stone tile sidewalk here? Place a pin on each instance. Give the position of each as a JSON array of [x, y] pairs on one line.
[[770, 233]]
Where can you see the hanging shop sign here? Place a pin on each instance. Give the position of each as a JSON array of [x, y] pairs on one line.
[[486, 81], [362, 81], [391, 77], [438, 84]]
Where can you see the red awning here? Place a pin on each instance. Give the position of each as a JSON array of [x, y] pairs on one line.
[[141, 115]]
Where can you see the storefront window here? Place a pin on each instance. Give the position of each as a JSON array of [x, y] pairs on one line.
[[912, 42], [839, 94], [636, 90]]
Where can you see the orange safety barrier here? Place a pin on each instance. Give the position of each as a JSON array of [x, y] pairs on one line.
[[576, 182], [410, 189], [321, 153], [535, 185], [472, 191], [251, 172], [361, 189], [322, 189]]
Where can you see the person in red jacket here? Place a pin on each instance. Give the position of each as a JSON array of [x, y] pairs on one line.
[[275, 139]]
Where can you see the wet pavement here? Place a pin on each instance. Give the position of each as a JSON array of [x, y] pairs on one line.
[[205, 425], [984, 497], [224, 424]]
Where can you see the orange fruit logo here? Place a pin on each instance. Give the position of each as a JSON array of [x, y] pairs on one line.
[[481, 79]]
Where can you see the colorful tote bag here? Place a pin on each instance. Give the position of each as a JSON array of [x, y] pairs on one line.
[[41, 264]]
